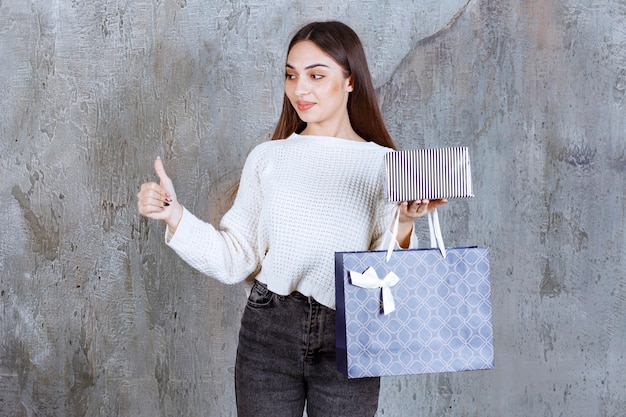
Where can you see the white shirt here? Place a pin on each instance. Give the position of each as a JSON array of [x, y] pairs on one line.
[[300, 200]]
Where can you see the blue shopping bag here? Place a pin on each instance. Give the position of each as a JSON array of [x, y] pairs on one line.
[[440, 318]]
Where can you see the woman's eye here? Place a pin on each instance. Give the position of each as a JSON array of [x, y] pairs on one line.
[[290, 76], [317, 76]]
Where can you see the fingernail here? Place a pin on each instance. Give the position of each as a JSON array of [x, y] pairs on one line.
[[166, 204]]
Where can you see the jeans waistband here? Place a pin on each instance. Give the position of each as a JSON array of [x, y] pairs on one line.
[[294, 295]]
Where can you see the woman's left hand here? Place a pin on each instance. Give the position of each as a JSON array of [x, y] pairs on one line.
[[411, 210]]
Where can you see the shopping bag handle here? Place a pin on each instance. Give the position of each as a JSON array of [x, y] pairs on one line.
[[436, 238], [394, 232]]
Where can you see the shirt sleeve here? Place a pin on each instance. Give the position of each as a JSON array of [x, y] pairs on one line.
[[228, 254]]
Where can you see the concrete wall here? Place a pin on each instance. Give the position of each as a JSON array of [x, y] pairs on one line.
[[99, 318]]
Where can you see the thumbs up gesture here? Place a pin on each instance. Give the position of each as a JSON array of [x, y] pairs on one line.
[[158, 201]]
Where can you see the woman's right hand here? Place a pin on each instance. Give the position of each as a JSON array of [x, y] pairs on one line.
[[158, 201]]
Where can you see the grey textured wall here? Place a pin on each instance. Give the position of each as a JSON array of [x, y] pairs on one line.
[[99, 318]]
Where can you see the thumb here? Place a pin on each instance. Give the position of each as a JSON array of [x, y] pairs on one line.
[[160, 170], [165, 181]]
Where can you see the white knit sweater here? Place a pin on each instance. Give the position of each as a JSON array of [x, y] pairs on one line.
[[300, 200]]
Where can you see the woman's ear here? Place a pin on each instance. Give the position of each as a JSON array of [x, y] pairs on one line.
[[349, 86]]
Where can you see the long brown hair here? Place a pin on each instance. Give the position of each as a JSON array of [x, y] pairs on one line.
[[343, 45]]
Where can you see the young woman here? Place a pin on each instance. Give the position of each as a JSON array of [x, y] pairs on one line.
[[300, 199]]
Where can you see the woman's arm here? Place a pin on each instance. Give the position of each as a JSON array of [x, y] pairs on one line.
[[227, 254]]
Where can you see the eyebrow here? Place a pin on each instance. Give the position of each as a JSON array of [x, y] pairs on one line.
[[308, 67]]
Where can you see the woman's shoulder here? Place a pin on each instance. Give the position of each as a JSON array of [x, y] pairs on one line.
[[272, 144], [265, 152], [266, 146]]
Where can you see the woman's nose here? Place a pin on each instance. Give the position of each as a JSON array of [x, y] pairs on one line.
[[302, 86]]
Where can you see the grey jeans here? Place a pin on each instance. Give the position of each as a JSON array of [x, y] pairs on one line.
[[286, 357]]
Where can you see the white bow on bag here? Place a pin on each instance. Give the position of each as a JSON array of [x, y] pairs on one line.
[[369, 278]]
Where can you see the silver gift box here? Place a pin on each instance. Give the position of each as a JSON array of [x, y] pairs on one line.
[[429, 174]]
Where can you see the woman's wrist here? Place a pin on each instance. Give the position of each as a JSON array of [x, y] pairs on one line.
[[405, 230], [173, 220]]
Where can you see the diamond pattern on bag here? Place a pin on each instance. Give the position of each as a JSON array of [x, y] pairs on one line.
[[442, 321]]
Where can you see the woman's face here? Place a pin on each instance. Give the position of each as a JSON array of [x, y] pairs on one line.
[[317, 87]]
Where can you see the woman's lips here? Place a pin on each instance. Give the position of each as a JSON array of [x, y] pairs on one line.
[[304, 105]]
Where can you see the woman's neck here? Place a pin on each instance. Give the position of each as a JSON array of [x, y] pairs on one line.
[[344, 132]]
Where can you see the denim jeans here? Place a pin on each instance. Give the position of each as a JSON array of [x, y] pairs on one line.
[[286, 358]]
